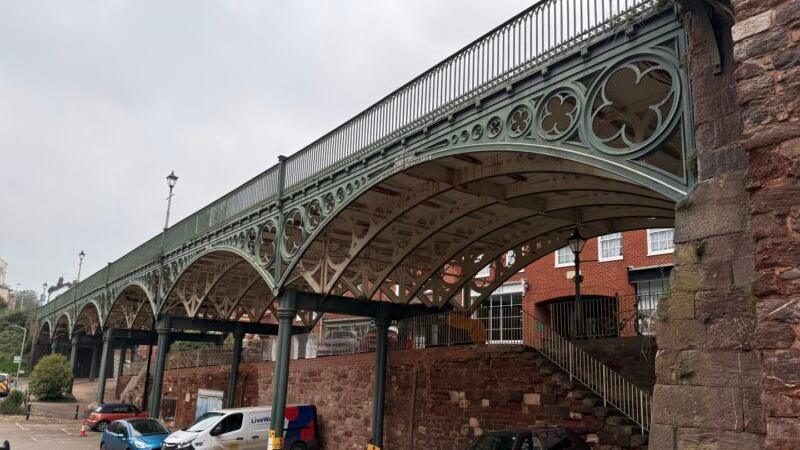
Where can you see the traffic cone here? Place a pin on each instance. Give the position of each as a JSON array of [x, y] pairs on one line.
[[83, 430]]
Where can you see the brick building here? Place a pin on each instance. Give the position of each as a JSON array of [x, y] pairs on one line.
[[623, 278]]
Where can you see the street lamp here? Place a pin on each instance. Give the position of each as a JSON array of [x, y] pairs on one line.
[[44, 291], [171, 180], [576, 243], [81, 255], [21, 351]]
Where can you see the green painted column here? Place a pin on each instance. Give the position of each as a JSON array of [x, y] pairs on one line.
[[280, 383], [379, 385], [238, 337], [154, 404], [101, 385], [53, 347], [73, 360]]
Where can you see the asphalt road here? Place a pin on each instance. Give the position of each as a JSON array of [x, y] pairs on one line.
[[44, 435]]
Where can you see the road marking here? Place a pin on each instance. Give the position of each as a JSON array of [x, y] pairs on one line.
[[20, 426]]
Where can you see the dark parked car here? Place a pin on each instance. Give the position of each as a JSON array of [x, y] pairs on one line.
[[532, 439]]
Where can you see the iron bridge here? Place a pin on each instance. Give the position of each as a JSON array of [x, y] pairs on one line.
[[572, 113]]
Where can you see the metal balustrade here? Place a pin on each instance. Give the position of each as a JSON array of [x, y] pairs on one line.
[[631, 400]]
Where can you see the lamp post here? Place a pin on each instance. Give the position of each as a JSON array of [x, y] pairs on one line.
[[81, 255], [21, 351], [576, 243], [44, 291], [172, 179]]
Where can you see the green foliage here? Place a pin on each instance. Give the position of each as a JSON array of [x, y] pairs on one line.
[[27, 300], [681, 371], [13, 403], [11, 337], [50, 378]]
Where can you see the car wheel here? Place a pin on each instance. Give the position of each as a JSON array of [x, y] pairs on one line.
[[298, 446], [102, 446], [101, 426]]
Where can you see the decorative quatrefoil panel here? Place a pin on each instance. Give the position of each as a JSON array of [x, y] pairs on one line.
[[632, 104], [558, 114]]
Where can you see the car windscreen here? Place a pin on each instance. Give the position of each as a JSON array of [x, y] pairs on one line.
[[102, 409], [145, 427], [2, 378], [494, 442], [203, 422]]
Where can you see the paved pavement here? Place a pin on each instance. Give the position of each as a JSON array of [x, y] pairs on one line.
[[39, 435]]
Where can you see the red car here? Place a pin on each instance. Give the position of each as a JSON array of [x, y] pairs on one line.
[[104, 414]]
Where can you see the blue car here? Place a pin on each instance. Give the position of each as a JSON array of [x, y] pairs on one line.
[[134, 434]]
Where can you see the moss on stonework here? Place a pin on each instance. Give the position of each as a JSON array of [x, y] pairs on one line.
[[681, 371]]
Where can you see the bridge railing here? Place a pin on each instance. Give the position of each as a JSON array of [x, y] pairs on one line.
[[541, 33]]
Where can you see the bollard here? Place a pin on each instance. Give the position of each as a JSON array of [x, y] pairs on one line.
[[76, 411], [28, 412]]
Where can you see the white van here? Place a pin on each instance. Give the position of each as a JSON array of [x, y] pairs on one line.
[[245, 429]]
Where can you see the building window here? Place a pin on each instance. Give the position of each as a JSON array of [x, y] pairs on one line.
[[501, 315], [609, 247], [648, 293], [564, 257], [660, 241]]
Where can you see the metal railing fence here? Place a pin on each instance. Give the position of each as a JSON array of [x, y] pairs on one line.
[[545, 31], [631, 400]]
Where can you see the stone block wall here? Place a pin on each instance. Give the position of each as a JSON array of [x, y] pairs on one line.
[[437, 398], [767, 52], [728, 368]]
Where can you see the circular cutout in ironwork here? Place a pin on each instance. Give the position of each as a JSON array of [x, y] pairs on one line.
[[477, 131], [632, 105], [494, 127], [266, 248], [464, 135], [519, 121], [558, 114]]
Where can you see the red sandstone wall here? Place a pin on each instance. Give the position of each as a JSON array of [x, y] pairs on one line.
[[436, 398]]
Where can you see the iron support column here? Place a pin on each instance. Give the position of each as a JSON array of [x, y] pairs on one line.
[[578, 305], [93, 363], [379, 386], [161, 362], [73, 361], [230, 398], [101, 385], [53, 347], [286, 313]]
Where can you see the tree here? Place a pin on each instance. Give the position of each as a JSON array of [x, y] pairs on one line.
[[50, 378], [26, 300], [11, 337]]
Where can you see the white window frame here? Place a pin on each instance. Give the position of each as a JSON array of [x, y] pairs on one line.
[[569, 264], [650, 251], [600, 248]]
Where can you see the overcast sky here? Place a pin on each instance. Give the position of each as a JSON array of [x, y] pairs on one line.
[[99, 100]]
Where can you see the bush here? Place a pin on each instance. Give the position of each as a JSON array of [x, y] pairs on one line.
[[13, 403], [51, 377]]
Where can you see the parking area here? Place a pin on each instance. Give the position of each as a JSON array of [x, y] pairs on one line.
[[63, 435]]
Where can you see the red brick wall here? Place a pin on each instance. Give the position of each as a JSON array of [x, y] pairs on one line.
[[545, 281], [438, 398]]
